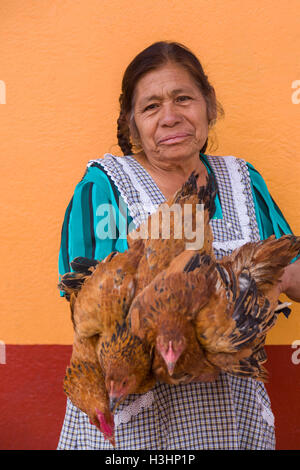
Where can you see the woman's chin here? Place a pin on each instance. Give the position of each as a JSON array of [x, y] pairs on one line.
[[177, 152]]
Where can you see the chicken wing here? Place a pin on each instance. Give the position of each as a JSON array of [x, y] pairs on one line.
[[219, 312]]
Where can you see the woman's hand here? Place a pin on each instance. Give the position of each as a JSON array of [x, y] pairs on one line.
[[290, 281]]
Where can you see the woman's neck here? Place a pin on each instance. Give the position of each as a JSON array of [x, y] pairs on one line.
[[170, 176]]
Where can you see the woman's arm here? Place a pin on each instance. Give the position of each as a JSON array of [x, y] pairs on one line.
[[271, 221], [290, 282], [91, 226]]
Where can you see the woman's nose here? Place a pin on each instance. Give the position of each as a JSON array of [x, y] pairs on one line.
[[169, 115]]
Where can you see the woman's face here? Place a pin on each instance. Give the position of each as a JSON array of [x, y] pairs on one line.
[[170, 114]]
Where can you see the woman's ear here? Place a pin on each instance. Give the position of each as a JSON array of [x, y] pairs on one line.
[[132, 126], [211, 108], [134, 133]]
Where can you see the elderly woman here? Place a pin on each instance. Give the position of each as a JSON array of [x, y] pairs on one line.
[[167, 107]]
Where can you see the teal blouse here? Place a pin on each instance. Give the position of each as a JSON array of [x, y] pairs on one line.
[[82, 220]]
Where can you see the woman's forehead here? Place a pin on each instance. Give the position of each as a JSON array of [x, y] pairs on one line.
[[170, 79]]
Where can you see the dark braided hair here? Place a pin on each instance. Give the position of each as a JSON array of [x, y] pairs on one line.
[[151, 58], [123, 132]]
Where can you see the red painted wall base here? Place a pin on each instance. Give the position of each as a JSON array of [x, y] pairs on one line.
[[32, 401]]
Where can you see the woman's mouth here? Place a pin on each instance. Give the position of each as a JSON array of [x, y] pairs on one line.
[[173, 139]]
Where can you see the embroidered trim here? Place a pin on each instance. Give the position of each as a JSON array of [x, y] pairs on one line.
[[102, 162], [140, 209], [239, 190], [245, 176], [266, 412], [234, 167], [144, 401], [144, 198]]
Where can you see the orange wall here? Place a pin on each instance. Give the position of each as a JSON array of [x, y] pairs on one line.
[[60, 70]]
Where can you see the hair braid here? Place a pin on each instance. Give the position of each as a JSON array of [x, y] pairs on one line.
[[123, 136], [123, 132]]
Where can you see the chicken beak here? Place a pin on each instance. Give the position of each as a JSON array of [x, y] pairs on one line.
[[171, 367], [170, 359], [112, 403]]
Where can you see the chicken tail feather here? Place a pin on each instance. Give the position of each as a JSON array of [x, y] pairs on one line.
[[267, 259], [187, 189], [207, 195], [83, 265], [71, 283]]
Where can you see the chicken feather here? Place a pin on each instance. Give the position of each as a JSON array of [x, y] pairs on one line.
[[127, 363], [106, 295], [239, 306], [163, 245], [85, 386], [162, 314], [100, 295]]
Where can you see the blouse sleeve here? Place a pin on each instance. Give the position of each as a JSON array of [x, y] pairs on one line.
[[269, 217], [95, 221]]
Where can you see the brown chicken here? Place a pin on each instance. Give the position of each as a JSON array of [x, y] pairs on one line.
[[171, 232], [99, 304], [201, 316], [103, 291], [127, 363], [250, 277], [162, 317], [100, 293], [106, 294], [126, 360], [84, 385]]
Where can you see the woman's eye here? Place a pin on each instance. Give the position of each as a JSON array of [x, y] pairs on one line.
[[183, 98], [150, 106]]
